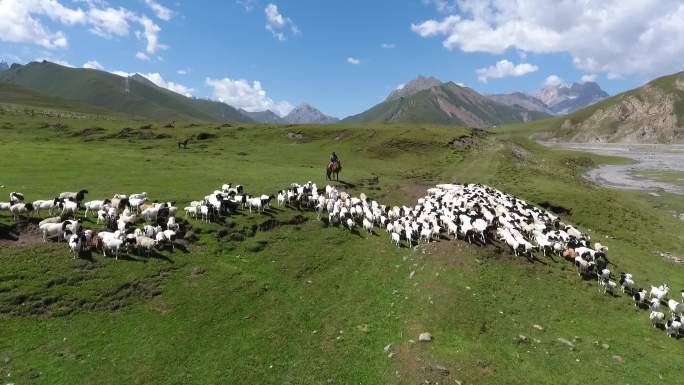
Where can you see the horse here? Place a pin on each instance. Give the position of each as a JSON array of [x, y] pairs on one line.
[[183, 144], [333, 168]]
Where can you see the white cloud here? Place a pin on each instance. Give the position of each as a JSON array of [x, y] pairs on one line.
[[157, 79], [159, 10], [93, 65], [353, 60], [107, 22], [505, 68], [142, 56], [250, 97], [182, 72], [22, 21], [248, 5], [388, 45], [277, 23], [603, 36], [442, 5], [401, 86], [588, 78], [553, 80], [122, 73]]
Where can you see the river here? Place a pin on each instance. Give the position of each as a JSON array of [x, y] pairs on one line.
[[658, 157]]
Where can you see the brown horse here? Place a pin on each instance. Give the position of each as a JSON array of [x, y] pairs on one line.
[[334, 168]]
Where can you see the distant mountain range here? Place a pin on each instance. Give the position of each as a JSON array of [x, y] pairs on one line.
[[264, 117], [306, 114], [135, 95], [428, 100], [563, 99], [3, 66], [653, 113]]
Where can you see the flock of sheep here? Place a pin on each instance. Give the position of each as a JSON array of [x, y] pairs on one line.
[[119, 215], [475, 213]]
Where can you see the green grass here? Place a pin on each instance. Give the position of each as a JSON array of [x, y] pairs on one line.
[[306, 304], [674, 177]]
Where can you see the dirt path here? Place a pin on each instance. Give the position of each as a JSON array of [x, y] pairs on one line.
[[659, 157]]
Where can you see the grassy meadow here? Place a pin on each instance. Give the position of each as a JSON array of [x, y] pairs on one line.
[[301, 303]]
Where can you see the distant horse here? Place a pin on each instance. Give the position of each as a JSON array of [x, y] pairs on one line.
[[334, 168], [183, 144]]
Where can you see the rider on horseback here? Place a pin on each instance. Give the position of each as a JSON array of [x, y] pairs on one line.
[[333, 158]]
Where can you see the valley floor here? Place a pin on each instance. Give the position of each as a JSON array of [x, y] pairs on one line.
[[302, 303]]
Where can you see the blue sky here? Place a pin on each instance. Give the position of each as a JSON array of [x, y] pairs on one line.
[[345, 56]]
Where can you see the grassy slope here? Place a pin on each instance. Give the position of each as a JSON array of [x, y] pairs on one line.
[[105, 90], [291, 305], [422, 107]]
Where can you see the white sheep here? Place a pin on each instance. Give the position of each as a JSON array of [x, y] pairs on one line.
[[49, 205], [676, 308], [656, 318], [75, 245], [659, 292], [20, 209]]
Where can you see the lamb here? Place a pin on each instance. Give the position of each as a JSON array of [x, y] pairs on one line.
[[603, 275], [171, 224], [166, 236], [191, 210], [5, 206], [45, 205], [350, 224], [608, 286], [20, 209], [656, 318], [654, 304]]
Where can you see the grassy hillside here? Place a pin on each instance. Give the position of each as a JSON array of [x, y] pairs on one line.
[[107, 91], [448, 104], [653, 113], [301, 303]]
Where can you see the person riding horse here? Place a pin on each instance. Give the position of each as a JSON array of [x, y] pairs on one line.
[[334, 167]]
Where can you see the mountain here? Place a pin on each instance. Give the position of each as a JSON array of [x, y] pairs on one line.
[[414, 86], [13, 94], [653, 113], [306, 114], [4, 66], [135, 95], [521, 100], [264, 117], [446, 103], [563, 99]]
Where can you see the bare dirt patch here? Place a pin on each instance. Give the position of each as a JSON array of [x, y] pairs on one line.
[[21, 234]]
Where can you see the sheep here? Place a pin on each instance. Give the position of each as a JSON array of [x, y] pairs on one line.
[[150, 214], [191, 210], [350, 224], [603, 275], [21, 209], [640, 297], [608, 286], [171, 224], [69, 207], [113, 245], [5, 206], [396, 239], [50, 220], [659, 292], [672, 327], [95, 206], [676, 308], [75, 245], [45, 205], [16, 197], [166, 237], [368, 225], [74, 196], [626, 282], [53, 230], [654, 304], [656, 318], [145, 243]]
